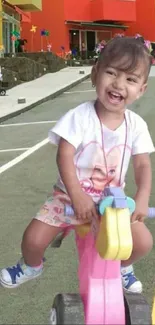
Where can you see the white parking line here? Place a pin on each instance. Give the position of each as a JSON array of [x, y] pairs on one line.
[[16, 149], [27, 123], [24, 155], [80, 91]]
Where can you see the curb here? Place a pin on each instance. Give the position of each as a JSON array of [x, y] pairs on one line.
[[45, 99]]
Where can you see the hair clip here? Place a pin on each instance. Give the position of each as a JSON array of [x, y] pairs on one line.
[[147, 43], [100, 47], [138, 36]]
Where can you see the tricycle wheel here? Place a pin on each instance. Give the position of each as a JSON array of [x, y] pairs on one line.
[[2, 92], [67, 309], [137, 310]]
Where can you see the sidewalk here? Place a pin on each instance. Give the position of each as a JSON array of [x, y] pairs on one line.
[[40, 90]]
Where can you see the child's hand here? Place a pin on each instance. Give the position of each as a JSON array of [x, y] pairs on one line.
[[84, 207], [141, 210]]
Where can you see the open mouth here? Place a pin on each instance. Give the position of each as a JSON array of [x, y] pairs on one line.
[[114, 97]]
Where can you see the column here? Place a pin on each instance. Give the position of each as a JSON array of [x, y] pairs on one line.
[[1, 24]]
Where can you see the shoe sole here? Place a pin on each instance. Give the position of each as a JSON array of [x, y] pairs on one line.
[[128, 291], [12, 286]]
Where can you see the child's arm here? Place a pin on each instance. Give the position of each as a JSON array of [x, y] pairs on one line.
[[82, 203], [143, 179]]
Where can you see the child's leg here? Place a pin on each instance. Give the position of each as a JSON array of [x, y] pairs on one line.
[[142, 242], [140, 248], [49, 221], [36, 239]]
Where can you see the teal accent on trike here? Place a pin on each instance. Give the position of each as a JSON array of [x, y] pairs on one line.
[[108, 202]]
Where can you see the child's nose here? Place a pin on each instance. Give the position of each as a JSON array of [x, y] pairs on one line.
[[119, 83]]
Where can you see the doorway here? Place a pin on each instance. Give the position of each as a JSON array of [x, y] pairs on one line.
[[91, 41], [74, 40]]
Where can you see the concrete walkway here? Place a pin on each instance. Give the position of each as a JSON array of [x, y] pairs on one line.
[[40, 90]]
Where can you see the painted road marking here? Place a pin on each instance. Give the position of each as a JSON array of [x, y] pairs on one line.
[[24, 155], [27, 123], [11, 150]]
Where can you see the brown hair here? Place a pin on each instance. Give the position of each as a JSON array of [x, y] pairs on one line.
[[125, 53]]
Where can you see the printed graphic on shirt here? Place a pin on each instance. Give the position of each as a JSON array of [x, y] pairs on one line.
[[91, 167]]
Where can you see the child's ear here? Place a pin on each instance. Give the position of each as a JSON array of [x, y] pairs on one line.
[[144, 88], [93, 75], [142, 91]]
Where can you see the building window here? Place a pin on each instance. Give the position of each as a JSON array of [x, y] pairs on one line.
[[103, 35]]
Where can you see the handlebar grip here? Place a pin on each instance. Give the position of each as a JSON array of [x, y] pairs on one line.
[[68, 211], [151, 213]]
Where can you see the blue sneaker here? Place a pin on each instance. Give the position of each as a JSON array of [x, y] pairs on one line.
[[12, 277], [129, 280]]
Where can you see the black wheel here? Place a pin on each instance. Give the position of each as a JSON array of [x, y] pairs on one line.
[[67, 309], [137, 310], [2, 92]]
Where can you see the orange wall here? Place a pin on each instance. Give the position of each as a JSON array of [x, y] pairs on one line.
[[115, 10], [96, 10], [77, 10], [86, 10], [52, 19], [145, 24], [120, 10]]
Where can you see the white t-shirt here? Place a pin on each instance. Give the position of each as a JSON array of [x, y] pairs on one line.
[[81, 128]]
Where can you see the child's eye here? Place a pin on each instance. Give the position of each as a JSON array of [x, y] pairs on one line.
[[97, 169], [132, 80], [112, 73], [112, 171]]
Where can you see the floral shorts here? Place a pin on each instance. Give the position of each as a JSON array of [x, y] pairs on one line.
[[52, 212]]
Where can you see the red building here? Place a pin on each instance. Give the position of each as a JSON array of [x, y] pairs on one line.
[[145, 20], [83, 23]]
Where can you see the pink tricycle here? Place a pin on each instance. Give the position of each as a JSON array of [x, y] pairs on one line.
[[101, 247]]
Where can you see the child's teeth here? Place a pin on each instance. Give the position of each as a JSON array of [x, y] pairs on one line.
[[117, 95]]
